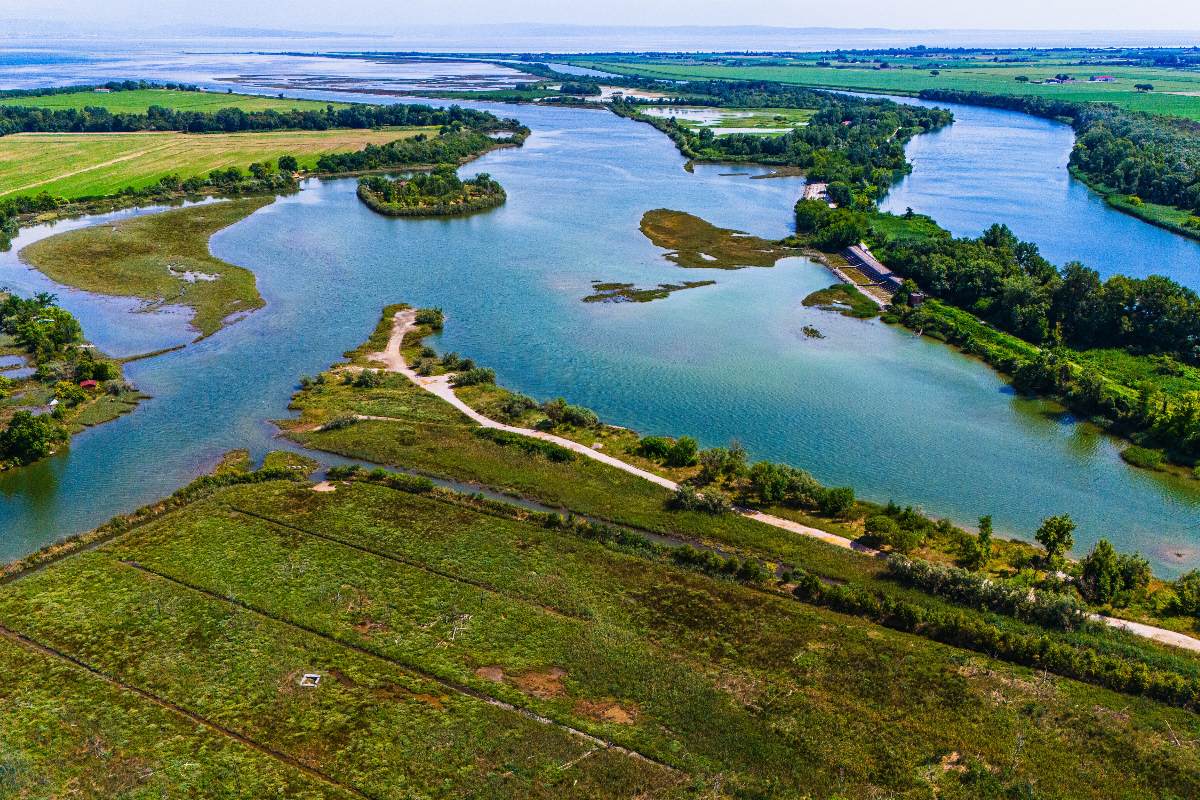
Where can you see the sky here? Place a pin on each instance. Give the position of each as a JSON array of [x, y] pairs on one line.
[[389, 16]]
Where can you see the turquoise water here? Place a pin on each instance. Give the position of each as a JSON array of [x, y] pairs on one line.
[[869, 405]]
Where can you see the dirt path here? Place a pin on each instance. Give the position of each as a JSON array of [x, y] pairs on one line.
[[393, 360]]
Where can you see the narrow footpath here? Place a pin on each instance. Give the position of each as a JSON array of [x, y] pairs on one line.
[[393, 360]]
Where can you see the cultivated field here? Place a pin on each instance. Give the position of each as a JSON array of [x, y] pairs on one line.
[[77, 165], [1175, 92], [138, 100]]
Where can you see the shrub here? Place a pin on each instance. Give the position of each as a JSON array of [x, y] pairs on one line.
[[836, 502], [682, 453], [1187, 594], [340, 423], [779, 483], [1049, 609], [746, 570], [654, 448], [686, 498], [29, 437], [528, 444], [560, 412], [473, 377], [514, 406], [433, 317], [368, 379]]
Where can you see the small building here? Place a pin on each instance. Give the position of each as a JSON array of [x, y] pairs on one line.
[[1102, 79], [916, 298], [88, 384], [102, 90]]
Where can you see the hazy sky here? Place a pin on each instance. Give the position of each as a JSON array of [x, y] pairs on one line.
[[386, 16]]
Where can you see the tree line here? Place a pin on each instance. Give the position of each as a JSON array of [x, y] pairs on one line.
[[438, 192], [95, 119], [1152, 157]]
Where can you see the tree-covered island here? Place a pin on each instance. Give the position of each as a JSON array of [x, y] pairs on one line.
[[431, 194]]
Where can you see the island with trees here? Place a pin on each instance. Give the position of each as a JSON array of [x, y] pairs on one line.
[[439, 192]]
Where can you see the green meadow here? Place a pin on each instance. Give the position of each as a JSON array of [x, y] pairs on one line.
[[136, 101], [1175, 92]]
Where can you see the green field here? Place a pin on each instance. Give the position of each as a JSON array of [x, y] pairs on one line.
[[138, 100], [78, 165], [162, 258], [437, 629], [1175, 92]]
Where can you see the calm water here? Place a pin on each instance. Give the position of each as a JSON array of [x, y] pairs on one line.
[[869, 405], [993, 165]]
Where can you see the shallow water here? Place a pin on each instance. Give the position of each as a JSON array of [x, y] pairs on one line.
[[869, 405]]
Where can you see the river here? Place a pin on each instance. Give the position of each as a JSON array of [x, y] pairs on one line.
[[869, 405]]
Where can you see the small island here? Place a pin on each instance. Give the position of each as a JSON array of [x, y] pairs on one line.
[[432, 194]]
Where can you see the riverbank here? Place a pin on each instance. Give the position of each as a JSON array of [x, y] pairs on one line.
[[347, 422], [1166, 217]]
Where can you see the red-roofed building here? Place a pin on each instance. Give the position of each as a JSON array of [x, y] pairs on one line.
[[88, 384]]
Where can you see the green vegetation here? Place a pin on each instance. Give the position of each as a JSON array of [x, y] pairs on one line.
[[854, 144], [1176, 87], [72, 387], [163, 258], [141, 96], [696, 243], [844, 299], [75, 166], [438, 623], [604, 292], [1123, 350], [437, 193]]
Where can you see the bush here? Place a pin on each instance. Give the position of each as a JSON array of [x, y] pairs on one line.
[[433, 317], [1187, 594], [473, 377], [686, 498], [368, 379], [836, 502], [528, 444], [654, 448], [340, 423], [682, 453], [1049, 609], [560, 412], [779, 483], [514, 406], [746, 570], [28, 438]]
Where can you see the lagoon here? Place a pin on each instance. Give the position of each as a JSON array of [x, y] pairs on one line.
[[870, 405]]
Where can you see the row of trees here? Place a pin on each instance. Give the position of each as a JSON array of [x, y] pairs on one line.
[[95, 119], [450, 147], [1152, 157]]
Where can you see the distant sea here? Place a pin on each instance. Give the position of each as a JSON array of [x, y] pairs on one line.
[[576, 39]]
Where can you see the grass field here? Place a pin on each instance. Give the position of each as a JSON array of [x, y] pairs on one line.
[[1175, 92], [77, 165], [162, 258], [170, 660], [138, 100]]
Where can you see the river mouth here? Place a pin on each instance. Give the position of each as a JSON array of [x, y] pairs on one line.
[[868, 405]]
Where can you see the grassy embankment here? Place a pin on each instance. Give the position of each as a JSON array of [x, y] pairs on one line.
[[421, 613], [162, 258], [1176, 92]]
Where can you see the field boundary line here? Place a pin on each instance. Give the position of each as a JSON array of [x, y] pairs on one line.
[[33, 644], [447, 683], [407, 562]]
